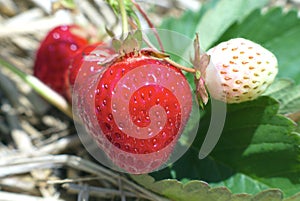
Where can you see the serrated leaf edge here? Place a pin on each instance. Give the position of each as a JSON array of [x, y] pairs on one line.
[[271, 194]]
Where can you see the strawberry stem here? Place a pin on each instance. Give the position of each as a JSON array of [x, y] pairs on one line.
[[47, 93], [177, 65], [124, 17], [143, 13]]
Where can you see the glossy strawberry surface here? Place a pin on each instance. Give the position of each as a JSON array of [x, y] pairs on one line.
[[91, 57], [54, 56], [141, 105], [140, 102]]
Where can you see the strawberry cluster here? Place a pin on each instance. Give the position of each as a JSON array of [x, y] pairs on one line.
[[135, 102], [134, 111]]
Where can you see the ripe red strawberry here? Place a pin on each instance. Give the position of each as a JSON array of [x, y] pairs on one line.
[[141, 105], [242, 70], [54, 56]]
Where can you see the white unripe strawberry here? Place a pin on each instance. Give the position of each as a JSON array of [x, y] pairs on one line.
[[240, 70]]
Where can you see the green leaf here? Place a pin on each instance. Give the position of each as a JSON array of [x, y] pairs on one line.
[[258, 147], [287, 93], [194, 190], [216, 21], [278, 85], [277, 31], [187, 23], [293, 198], [245, 184], [201, 191], [213, 19], [268, 150], [270, 195]]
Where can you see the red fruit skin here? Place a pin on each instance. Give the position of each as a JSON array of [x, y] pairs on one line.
[[91, 57], [141, 105], [54, 56]]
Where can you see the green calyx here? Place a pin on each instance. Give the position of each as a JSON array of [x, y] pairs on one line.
[[198, 74], [132, 42]]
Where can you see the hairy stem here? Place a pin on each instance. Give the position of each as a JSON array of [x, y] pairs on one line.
[[181, 67], [124, 17], [143, 13]]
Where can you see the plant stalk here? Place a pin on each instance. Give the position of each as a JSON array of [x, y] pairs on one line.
[[124, 18], [143, 13], [43, 90], [181, 67]]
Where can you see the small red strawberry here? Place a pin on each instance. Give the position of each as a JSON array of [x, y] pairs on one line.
[[141, 105], [241, 71], [54, 56]]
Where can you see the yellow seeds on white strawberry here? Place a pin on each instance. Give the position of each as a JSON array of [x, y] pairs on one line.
[[240, 70]]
